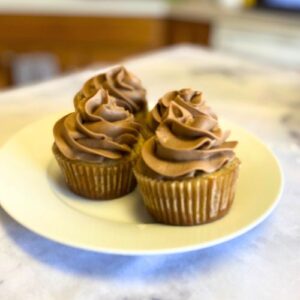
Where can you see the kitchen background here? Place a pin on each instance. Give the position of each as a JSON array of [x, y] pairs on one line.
[[44, 38]]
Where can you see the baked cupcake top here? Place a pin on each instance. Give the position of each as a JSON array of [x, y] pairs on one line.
[[121, 84], [186, 143], [187, 98], [97, 131]]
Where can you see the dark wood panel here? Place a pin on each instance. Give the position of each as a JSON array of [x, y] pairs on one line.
[[137, 31], [189, 32], [78, 41]]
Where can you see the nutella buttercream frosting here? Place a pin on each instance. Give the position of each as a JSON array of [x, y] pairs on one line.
[[188, 141], [190, 99], [99, 130], [119, 83]]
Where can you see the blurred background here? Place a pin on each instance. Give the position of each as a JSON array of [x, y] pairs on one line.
[[42, 39]]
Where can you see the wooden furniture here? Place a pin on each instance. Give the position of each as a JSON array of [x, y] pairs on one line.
[[196, 32], [81, 40]]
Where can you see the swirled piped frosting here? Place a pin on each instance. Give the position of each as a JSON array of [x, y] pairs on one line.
[[98, 130], [187, 98], [187, 142], [119, 83]]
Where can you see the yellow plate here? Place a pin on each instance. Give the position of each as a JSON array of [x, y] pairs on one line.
[[33, 193]]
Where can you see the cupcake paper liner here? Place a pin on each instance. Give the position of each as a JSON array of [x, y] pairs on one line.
[[97, 180], [199, 200]]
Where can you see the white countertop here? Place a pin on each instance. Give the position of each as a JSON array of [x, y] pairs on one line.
[[262, 264]]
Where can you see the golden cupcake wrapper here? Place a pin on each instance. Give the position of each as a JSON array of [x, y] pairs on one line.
[[199, 200], [97, 181]]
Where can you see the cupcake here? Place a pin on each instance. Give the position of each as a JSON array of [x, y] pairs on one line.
[[96, 147], [188, 98], [122, 85], [188, 170]]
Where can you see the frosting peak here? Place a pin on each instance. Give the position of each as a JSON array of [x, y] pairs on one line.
[[186, 142], [187, 98], [98, 130], [119, 83]]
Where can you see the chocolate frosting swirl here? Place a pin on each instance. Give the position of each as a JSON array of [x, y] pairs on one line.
[[121, 84], [187, 141], [98, 130], [187, 98]]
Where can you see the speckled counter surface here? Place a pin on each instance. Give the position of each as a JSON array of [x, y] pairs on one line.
[[262, 264]]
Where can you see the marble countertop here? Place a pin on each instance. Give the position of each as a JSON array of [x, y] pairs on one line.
[[262, 264]]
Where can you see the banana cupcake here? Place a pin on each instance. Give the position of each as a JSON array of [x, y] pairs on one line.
[[187, 171], [190, 99], [96, 147], [122, 85]]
